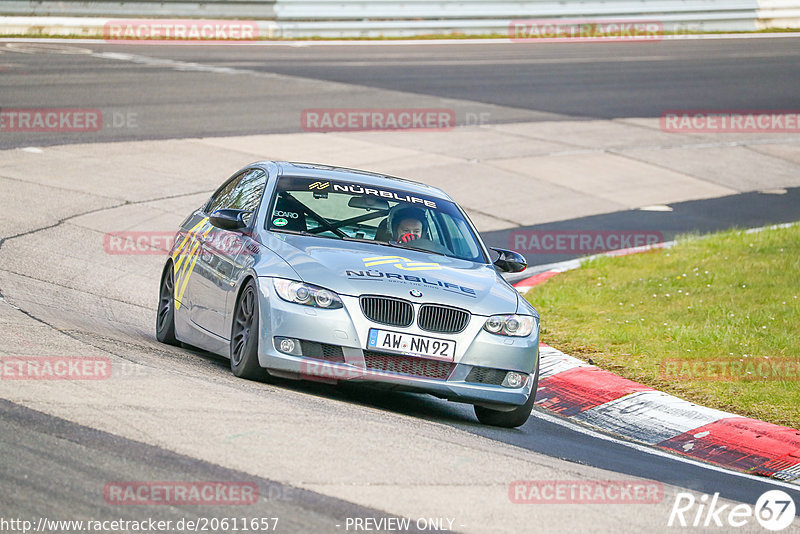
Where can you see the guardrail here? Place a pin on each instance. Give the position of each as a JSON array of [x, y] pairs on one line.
[[250, 9], [382, 18], [778, 14], [499, 9]]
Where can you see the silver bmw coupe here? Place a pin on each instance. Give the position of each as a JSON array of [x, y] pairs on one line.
[[314, 272]]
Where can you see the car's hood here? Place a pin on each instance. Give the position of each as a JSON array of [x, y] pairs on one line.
[[353, 268]]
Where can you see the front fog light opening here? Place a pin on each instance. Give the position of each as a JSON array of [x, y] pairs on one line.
[[515, 380], [288, 345]]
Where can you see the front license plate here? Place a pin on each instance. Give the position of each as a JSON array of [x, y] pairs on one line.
[[401, 343]]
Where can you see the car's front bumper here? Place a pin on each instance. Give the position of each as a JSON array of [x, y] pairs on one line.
[[348, 328]]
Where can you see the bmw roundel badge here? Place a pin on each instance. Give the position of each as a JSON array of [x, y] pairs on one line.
[[415, 293]]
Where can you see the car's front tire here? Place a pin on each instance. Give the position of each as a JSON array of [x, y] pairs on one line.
[[244, 335], [514, 418], [165, 317]]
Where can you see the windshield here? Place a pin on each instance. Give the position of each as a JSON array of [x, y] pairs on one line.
[[391, 217]]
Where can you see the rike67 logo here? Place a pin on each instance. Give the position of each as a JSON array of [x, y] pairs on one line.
[[774, 510]]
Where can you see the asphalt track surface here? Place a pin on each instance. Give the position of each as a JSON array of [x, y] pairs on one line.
[[511, 82], [175, 91], [80, 460], [741, 211]]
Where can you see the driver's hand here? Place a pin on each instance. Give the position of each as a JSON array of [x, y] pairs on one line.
[[406, 238]]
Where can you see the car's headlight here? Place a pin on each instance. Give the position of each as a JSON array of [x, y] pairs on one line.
[[306, 294], [511, 325]]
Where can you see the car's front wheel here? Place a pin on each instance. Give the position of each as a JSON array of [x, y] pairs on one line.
[[244, 335], [165, 318], [514, 418]]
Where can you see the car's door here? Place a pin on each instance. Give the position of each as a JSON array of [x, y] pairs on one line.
[[217, 268]]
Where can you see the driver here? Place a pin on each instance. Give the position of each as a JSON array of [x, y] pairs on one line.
[[407, 225]]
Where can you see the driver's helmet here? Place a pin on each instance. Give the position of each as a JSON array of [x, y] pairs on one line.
[[405, 211]]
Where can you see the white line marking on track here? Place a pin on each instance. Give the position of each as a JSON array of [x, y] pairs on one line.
[[656, 207]]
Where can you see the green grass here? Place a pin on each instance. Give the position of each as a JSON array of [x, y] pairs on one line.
[[732, 297]]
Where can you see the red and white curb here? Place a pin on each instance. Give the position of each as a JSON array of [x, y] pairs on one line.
[[575, 390]]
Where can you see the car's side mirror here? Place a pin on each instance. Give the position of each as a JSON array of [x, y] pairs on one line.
[[509, 261], [229, 219]]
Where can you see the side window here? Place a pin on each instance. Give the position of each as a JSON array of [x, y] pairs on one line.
[[242, 193], [247, 195], [222, 197]]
